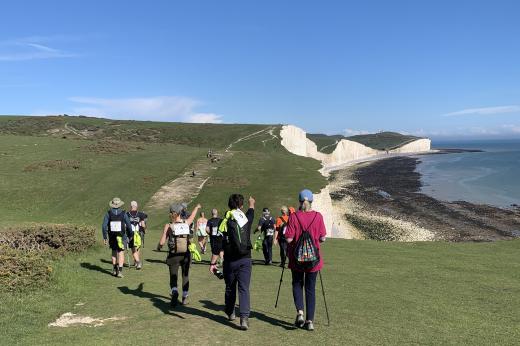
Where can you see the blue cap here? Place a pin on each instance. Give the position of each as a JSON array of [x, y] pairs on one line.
[[306, 195]]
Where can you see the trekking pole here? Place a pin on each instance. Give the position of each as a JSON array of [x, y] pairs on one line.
[[127, 254], [324, 300], [279, 286]]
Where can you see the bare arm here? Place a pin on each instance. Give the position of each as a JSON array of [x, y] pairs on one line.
[[190, 219], [163, 237]]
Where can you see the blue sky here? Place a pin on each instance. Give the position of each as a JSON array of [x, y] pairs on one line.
[[436, 68]]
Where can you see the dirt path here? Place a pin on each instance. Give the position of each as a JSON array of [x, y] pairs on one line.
[[186, 187], [74, 131]]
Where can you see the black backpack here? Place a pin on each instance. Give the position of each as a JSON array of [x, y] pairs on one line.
[[306, 254], [237, 239]]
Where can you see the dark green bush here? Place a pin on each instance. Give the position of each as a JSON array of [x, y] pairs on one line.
[[27, 252]]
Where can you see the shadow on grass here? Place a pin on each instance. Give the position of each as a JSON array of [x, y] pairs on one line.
[[151, 260], [163, 303], [258, 314], [95, 267]]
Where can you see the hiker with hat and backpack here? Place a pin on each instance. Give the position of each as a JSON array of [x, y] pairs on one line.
[[305, 231], [266, 225], [236, 231], [279, 233], [136, 233], [115, 227], [177, 234]]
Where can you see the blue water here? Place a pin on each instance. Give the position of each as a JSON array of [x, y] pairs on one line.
[[491, 177]]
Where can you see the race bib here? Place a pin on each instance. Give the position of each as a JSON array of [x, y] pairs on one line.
[[214, 231], [202, 227], [135, 228], [270, 232], [181, 229], [240, 217], [115, 226]]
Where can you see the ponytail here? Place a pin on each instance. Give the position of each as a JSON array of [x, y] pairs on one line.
[[306, 205]]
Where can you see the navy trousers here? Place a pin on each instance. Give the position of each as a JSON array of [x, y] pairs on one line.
[[237, 273], [299, 280]]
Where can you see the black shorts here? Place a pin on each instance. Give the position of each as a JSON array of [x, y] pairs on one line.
[[116, 242], [216, 245]]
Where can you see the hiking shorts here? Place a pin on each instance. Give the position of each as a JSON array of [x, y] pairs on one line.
[[217, 245], [201, 233], [135, 242], [116, 243]]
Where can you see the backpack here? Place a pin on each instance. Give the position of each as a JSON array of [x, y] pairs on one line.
[[306, 254], [237, 238], [268, 226], [116, 224], [178, 238]]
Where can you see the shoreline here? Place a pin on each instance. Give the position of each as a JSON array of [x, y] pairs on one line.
[[380, 198]]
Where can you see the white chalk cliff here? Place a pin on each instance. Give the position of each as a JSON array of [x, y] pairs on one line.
[[295, 140]]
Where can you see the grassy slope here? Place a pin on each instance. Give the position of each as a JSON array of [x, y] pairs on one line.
[[380, 141], [390, 293]]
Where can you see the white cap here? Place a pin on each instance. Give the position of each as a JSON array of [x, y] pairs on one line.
[[133, 204]]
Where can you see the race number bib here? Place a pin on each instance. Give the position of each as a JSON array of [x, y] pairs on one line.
[[214, 231], [270, 232], [115, 226], [240, 217], [135, 228], [181, 229]]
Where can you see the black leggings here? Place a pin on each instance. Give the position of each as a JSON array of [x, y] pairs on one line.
[[183, 261], [299, 279]]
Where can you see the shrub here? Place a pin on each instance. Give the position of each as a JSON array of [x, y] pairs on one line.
[[26, 252]]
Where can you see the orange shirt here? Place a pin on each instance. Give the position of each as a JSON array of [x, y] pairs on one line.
[[280, 220]]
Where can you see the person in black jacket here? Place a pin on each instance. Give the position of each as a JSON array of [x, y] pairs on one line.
[[236, 230], [266, 225]]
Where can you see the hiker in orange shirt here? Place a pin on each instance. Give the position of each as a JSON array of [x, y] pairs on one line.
[[279, 234]]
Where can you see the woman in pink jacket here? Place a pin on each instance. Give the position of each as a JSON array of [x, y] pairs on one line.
[[311, 221]]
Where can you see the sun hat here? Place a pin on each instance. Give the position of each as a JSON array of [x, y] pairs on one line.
[[176, 208], [184, 205], [116, 202], [306, 195]]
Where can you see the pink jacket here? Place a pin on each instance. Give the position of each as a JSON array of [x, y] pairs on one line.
[[294, 231]]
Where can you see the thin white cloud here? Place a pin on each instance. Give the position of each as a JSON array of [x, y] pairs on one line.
[[205, 118], [351, 132], [31, 48], [498, 131], [485, 111], [159, 108]]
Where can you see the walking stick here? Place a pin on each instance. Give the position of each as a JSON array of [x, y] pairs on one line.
[[279, 286], [324, 300]]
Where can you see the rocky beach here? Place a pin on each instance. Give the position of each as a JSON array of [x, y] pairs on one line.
[[382, 200]]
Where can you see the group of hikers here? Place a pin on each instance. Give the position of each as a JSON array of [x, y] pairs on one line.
[[298, 234]]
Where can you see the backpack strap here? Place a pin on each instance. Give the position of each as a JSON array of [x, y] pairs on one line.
[[303, 229]]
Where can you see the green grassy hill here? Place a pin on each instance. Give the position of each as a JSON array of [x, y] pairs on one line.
[[65, 169], [379, 141]]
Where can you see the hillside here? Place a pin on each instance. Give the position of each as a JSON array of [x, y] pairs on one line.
[[65, 170], [380, 141]]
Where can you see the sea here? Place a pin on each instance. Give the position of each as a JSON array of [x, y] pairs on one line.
[[488, 177]]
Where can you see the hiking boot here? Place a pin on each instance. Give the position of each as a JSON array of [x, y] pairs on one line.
[[244, 323], [299, 322], [175, 299], [138, 265], [119, 274], [114, 272], [231, 317], [309, 326]]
